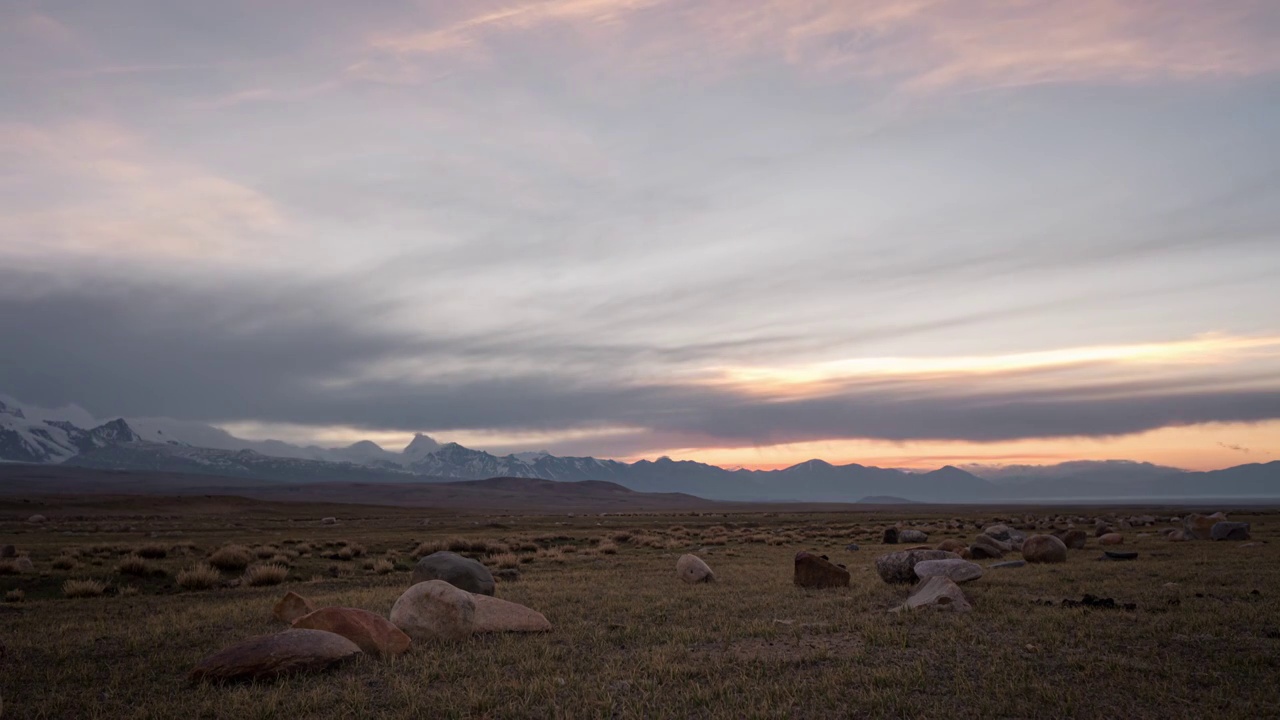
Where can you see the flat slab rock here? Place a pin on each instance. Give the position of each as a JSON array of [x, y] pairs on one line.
[[374, 634], [268, 657], [495, 615], [435, 610], [1229, 531], [958, 571], [938, 593]]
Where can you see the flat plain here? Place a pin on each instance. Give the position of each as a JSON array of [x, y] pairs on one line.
[[629, 639]]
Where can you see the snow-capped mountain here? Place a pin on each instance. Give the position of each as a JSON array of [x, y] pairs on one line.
[[23, 439]]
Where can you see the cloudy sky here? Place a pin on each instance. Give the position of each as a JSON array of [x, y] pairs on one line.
[[904, 232]]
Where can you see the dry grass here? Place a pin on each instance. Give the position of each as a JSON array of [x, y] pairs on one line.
[[152, 552], [133, 565], [199, 577], [83, 588], [8, 566], [383, 567], [15, 596], [630, 640], [260, 575], [231, 558], [63, 562], [504, 560]]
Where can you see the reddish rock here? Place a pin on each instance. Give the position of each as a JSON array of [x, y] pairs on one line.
[[497, 615], [373, 633], [1074, 539], [1044, 549], [1200, 527], [270, 656], [291, 607], [812, 571], [1111, 539]]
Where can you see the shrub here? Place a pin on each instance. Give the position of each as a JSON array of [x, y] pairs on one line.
[[152, 552], [129, 591], [134, 565], [266, 575], [428, 547], [345, 554], [263, 552], [383, 567], [458, 544], [199, 577], [231, 558], [64, 562], [280, 559], [607, 548], [8, 567], [14, 596], [83, 588]]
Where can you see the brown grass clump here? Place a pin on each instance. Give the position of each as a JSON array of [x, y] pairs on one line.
[[199, 577], [263, 552], [15, 596], [384, 567], [505, 560], [129, 591], [607, 548], [83, 588], [231, 558], [152, 552], [8, 566], [64, 562], [259, 575], [133, 565]]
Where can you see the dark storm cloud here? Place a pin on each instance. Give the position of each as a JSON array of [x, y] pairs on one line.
[[298, 354]]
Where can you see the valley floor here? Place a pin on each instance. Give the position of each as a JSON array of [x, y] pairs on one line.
[[630, 640]]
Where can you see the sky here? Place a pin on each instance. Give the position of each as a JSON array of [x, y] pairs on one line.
[[748, 232]]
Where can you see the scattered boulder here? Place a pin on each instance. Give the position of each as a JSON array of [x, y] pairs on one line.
[[456, 570], [891, 536], [1229, 531], [997, 532], [36, 519], [291, 607], [1074, 538], [852, 547], [692, 570], [24, 565], [496, 615], [986, 546], [270, 656], [1111, 539], [1180, 536], [435, 610], [1008, 565], [812, 571], [1200, 527], [958, 571], [374, 634], [1044, 549], [938, 593], [329, 521], [1103, 528], [913, 536], [900, 567], [956, 546]]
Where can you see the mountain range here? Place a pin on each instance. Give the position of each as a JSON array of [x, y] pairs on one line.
[[183, 447]]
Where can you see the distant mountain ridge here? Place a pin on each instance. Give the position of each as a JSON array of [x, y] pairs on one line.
[[117, 445]]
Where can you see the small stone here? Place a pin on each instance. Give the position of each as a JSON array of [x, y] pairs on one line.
[[1009, 564], [36, 519], [692, 569], [1118, 555], [270, 656], [329, 521], [852, 547], [291, 607], [812, 571], [958, 571]]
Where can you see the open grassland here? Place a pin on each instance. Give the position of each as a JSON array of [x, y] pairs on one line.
[[630, 640]]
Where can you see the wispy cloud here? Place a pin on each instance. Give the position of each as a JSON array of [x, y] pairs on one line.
[[920, 45]]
